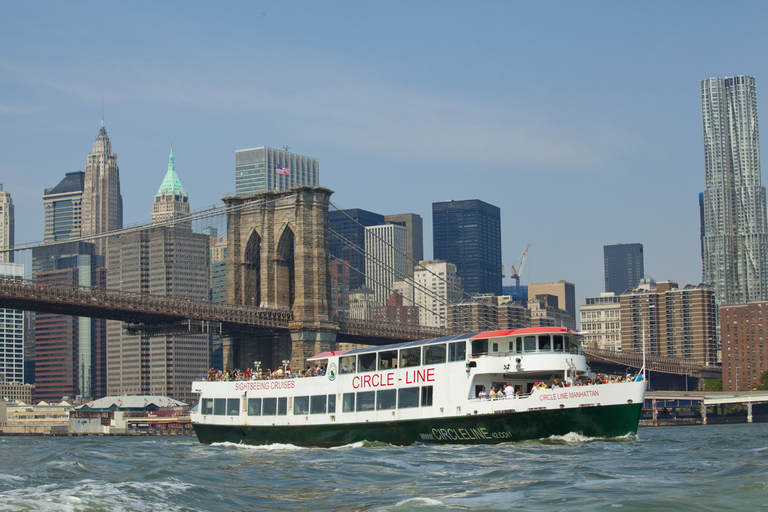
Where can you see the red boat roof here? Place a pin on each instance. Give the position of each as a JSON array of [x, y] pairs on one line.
[[479, 335], [527, 330]]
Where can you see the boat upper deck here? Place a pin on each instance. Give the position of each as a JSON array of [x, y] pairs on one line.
[[530, 333]]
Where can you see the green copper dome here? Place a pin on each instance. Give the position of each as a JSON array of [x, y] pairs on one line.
[[171, 183]]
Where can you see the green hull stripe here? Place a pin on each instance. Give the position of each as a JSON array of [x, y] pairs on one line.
[[599, 421]]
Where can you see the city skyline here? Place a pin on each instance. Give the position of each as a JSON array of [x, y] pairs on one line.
[[438, 112]]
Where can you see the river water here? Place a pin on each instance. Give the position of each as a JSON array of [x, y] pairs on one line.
[[702, 468]]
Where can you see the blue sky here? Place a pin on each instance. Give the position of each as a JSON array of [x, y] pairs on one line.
[[580, 120]]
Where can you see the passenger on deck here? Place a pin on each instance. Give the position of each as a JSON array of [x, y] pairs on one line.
[[509, 391], [483, 394], [576, 381], [493, 395]]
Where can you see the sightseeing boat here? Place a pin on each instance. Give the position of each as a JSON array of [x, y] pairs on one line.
[[431, 391]]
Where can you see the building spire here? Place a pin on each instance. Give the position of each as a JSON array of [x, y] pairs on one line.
[[171, 183]]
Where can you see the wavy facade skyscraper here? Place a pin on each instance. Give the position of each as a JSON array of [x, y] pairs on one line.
[[735, 237]]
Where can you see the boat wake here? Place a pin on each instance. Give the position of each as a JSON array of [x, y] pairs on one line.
[[259, 447], [577, 438]]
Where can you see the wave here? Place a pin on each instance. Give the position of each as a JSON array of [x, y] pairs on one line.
[[577, 438], [259, 447]]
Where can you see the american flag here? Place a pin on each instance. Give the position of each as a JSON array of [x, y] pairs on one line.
[[279, 169]]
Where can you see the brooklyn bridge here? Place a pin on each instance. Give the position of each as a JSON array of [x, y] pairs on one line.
[[278, 303]]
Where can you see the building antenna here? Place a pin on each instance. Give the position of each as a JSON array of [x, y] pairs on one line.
[[102, 110]]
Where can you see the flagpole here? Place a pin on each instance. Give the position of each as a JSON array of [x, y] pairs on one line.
[[646, 380]]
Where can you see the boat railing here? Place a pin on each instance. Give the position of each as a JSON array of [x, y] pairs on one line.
[[573, 351], [516, 396]]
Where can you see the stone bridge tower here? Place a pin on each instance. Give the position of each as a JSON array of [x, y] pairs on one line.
[[277, 257]]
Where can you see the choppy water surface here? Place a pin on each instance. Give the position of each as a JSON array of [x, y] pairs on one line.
[[715, 467]]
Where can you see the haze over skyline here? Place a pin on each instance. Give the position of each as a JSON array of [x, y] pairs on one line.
[[581, 121]]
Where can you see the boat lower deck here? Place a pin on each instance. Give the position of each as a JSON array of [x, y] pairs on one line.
[[598, 421]]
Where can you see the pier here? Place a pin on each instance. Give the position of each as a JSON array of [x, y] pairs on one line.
[[690, 408]]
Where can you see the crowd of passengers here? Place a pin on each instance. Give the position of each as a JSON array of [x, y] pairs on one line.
[[510, 391], [262, 374]]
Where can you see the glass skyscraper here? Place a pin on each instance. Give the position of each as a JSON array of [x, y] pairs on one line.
[[63, 208], [349, 246], [263, 169], [735, 240], [624, 267], [468, 234]]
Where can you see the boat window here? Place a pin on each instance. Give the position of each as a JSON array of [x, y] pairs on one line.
[[331, 404], [495, 347], [410, 357], [529, 344], [365, 401], [386, 399], [558, 343], [219, 406], [233, 406], [387, 359], [479, 347], [269, 407], [519, 345], [408, 397], [318, 404], [367, 362], [206, 407], [301, 405], [545, 343], [434, 354], [426, 396], [348, 402], [511, 346], [282, 406], [254, 407], [347, 364], [568, 346], [457, 351]]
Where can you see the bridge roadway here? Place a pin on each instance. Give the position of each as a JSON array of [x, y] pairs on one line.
[[653, 363], [153, 314]]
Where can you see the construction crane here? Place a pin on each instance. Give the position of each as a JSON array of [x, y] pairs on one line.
[[521, 263]]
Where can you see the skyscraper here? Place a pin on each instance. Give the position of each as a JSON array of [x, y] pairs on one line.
[[263, 169], [437, 286], [12, 333], [70, 351], [735, 235], [164, 260], [385, 260], [624, 267], [102, 206], [347, 240], [468, 234], [63, 208], [6, 225], [415, 226]]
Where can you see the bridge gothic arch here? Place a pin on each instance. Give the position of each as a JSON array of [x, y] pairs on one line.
[[277, 257], [285, 269], [251, 272]]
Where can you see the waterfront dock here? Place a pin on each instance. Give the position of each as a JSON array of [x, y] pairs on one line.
[[664, 408]]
